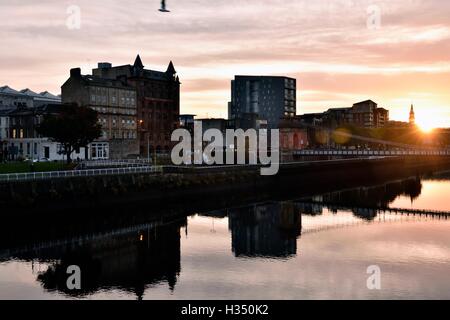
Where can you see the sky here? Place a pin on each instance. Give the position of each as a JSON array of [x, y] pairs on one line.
[[394, 52]]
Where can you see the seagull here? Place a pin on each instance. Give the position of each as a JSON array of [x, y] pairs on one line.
[[163, 6]]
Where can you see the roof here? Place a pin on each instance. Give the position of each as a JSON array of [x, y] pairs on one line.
[[28, 93], [8, 90], [364, 102], [187, 115], [264, 77], [171, 69], [317, 114], [47, 94], [137, 70], [338, 109], [103, 82], [138, 63]]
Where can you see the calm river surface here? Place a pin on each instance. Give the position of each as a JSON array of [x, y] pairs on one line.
[[315, 248]]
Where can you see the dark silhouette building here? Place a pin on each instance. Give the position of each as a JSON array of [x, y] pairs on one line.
[[270, 98], [130, 262], [158, 101], [269, 230], [115, 102], [364, 114]]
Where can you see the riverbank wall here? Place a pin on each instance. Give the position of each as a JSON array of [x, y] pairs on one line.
[[190, 184]]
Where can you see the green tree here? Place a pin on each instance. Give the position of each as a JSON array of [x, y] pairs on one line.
[[73, 127]]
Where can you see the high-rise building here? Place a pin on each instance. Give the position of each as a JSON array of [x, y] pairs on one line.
[[158, 101], [270, 98]]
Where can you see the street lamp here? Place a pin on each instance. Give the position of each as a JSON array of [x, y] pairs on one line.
[[144, 131]]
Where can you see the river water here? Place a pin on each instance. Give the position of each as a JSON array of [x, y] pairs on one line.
[[385, 242]]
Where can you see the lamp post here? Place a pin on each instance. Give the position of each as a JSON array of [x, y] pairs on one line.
[[145, 132], [148, 146]]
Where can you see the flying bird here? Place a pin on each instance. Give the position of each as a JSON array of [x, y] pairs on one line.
[[163, 6]]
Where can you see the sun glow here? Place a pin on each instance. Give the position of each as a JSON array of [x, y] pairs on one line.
[[427, 125]]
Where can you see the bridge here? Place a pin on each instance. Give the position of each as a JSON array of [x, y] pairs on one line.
[[371, 153], [403, 211], [323, 222]]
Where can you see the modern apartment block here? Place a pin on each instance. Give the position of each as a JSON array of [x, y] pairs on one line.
[[367, 114], [270, 98], [364, 114]]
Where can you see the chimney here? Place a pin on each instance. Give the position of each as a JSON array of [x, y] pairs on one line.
[[75, 72], [104, 65]]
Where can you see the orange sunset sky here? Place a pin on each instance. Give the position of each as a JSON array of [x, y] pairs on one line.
[[326, 44]]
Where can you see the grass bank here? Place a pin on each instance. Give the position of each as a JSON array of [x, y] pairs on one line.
[[25, 166]]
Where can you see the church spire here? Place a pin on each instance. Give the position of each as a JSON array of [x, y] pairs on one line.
[[412, 116]]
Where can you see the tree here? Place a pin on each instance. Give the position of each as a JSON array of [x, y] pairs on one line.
[[73, 127]]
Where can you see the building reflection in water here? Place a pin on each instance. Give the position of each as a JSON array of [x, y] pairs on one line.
[[129, 262], [137, 258], [364, 202], [268, 230]]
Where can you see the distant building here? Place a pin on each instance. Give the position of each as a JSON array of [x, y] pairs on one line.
[[412, 116], [270, 98], [364, 114], [157, 98], [187, 122], [293, 135], [393, 123], [312, 119], [116, 104], [381, 117], [23, 141], [4, 132], [214, 123], [4, 123], [10, 98], [42, 98], [248, 121], [269, 230]]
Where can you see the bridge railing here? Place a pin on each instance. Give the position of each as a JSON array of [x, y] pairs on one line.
[[309, 152], [10, 177], [129, 162]]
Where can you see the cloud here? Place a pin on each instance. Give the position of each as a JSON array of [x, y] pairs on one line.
[[214, 40]]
